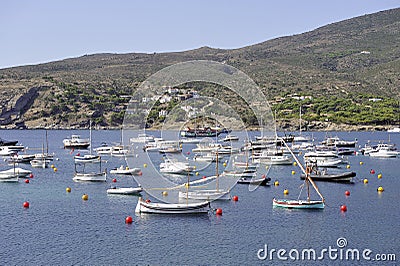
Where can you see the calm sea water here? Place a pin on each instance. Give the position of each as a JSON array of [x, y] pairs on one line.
[[60, 228]]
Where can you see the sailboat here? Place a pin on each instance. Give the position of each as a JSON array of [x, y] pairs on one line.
[[206, 194], [96, 176], [88, 158], [298, 203], [43, 159]]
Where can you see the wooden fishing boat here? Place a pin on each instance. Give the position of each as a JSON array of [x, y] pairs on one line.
[[172, 208], [318, 175], [298, 203]]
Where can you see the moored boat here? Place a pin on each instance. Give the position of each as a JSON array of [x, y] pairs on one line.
[[298, 204], [76, 142], [172, 208], [124, 190]]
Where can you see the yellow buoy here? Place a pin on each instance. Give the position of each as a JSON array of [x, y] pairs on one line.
[[186, 184], [68, 189], [145, 165], [286, 191], [361, 163], [266, 167], [85, 196], [127, 168], [380, 189], [55, 169], [197, 173], [295, 163], [194, 167], [52, 166], [293, 172], [379, 176], [165, 193], [224, 164], [348, 166], [365, 181], [276, 183]]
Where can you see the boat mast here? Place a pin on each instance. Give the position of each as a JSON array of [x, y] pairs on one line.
[[216, 169], [300, 120], [303, 170]]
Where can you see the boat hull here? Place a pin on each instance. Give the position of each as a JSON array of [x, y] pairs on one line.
[[256, 182], [172, 208], [298, 204], [341, 177], [90, 177], [125, 191], [206, 195]]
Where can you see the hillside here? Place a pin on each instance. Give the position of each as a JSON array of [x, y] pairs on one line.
[[343, 64]]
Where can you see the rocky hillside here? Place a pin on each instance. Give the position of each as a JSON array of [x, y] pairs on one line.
[[355, 60]]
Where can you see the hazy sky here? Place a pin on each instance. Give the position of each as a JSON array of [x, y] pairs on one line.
[[36, 31]]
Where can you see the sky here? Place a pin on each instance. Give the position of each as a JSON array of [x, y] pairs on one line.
[[39, 31]]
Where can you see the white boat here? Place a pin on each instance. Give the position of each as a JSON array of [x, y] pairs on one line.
[[209, 157], [76, 142], [230, 137], [40, 163], [87, 158], [172, 208], [326, 162], [170, 166], [21, 158], [241, 173], [274, 159], [383, 151], [207, 194], [142, 138], [125, 170], [90, 176], [6, 151], [125, 190], [320, 154], [14, 172], [120, 151], [8, 177], [394, 130], [103, 150]]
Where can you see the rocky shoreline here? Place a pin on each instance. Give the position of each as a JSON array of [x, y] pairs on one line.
[[282, 126]]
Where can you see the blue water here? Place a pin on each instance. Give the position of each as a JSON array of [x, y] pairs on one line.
[[60, 228]]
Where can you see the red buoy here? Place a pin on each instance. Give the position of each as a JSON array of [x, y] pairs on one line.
[[148, 201], [27, 181], [235, 198], [128, 220], [372, 171], [114, 180], [140, 173], [30, 175], [204, 177], [218, 211], [343, 208], [188, 153], [347, 193], [78, 154], [263, 176], [26, 204]]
